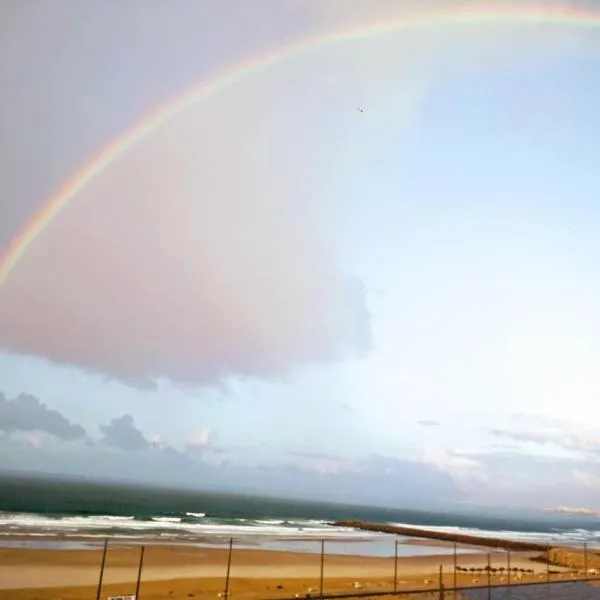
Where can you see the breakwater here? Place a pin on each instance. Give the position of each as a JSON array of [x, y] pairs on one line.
[[458, 538]]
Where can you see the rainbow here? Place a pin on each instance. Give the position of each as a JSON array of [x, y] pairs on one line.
[[466, 14]]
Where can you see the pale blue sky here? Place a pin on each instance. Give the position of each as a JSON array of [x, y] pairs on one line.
[[465, 198]]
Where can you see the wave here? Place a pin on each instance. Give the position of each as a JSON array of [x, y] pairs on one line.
[[197, 525], [270, 521], [176, 526]]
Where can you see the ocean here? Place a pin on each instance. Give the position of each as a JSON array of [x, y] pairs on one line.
[[38, 512]]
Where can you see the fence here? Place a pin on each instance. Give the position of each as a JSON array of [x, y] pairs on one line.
[[446, 583]]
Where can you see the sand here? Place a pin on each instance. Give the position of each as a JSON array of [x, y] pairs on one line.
[[177, 572]]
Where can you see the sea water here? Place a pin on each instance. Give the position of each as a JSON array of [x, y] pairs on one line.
[[35, 511]]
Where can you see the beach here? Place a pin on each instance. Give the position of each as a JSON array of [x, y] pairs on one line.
[[185, 571], [51, 539]]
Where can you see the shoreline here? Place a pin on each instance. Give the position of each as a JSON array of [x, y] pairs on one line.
[[383, 546], [175, 569]]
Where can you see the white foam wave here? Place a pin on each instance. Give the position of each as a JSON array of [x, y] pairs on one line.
[[126, 525], [129, 526], [270, 521], [194, 514]]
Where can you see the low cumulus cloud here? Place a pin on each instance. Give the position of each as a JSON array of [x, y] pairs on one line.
[[428, 423], [121, 433], [125, 452], [519, 479], [26, 413], [201, 442], [463, 468]]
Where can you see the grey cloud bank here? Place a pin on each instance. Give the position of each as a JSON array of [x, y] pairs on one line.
[[567, 435], [122, 451], [26, 413]]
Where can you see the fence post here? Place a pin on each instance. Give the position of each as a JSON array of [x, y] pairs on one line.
[[102, 564], [441, 582], [322, 567], [395, 565], [139, 577], [508, 565], [585, 570], [454, 582], [548, 564], [489, 576], [228, 572]]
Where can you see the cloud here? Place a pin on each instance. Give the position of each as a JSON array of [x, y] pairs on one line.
[[125, 451], [428, 423], [158, 441], [490, 478], [463, 468], [519, 479], [121, 433], [534, 437], [26, 413], [376, 480], [205, 251], [201, 442], [563, 433], [209, 248], [587, 479], [324, 463], [204, 437]]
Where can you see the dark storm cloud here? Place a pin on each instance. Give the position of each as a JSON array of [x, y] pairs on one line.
[[28, 413]]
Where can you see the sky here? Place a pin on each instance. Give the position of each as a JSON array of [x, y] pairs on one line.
[[277, 292]]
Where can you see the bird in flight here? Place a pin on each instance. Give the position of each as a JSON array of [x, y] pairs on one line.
[[359, 109]]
